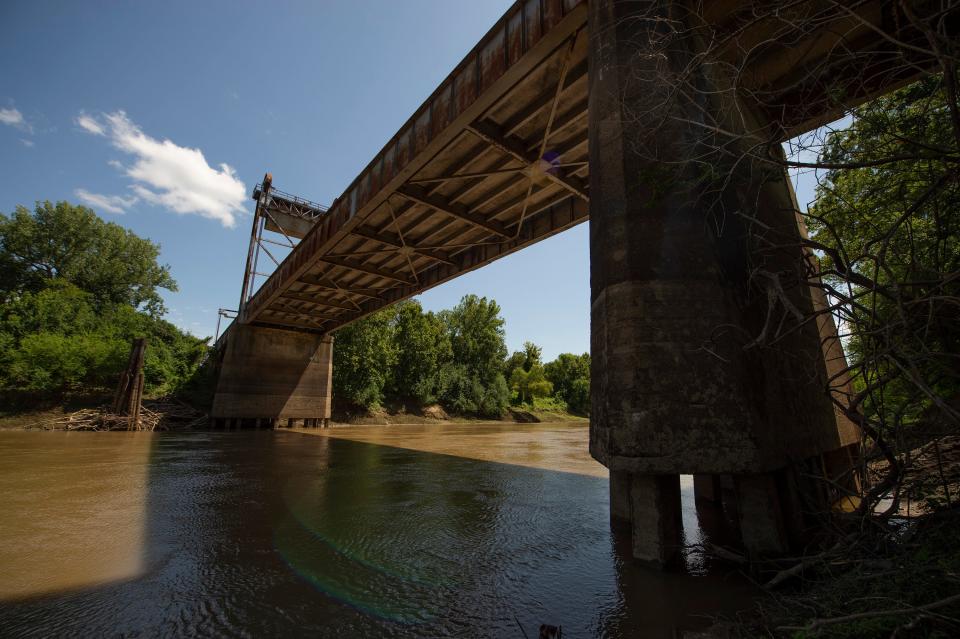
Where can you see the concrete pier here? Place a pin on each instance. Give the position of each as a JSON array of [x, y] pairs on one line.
[[275, 376], [677, 386]]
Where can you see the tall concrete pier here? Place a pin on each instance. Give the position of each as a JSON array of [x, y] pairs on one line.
[[681, 290]]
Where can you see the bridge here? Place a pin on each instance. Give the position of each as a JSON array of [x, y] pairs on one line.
[[567, 111]]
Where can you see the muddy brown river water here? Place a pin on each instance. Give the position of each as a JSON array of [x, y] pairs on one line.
[[463, 530]]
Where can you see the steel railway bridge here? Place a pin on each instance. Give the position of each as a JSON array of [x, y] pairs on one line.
[[547, 123]]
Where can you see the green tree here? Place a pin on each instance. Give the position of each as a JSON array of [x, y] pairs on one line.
[[423, 347], [60, 340], [578, 398], [570, 376], [887, 223], [529, 384], [477, 337], [516, 360], [364, 355], [473, 382], [525, 359], [70, 243]]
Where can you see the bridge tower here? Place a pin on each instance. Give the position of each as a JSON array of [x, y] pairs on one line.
[[270, 375]]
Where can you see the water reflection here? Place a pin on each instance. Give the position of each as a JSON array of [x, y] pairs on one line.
[[73, 510], [278, 533]]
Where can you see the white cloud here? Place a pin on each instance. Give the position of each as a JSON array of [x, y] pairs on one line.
[[175, 177], [13, 117], [109, 203], [89, 124], [26, 143]]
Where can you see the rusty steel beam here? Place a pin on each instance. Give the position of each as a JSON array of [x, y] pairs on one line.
[[330, 285], [511, 126], [548, 222], [390, 239], [313, 299], [437, 203], [280, 307], [353, 265], [289, 323], [492, 135]]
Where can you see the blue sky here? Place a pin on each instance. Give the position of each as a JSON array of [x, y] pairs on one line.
[[163, 116]]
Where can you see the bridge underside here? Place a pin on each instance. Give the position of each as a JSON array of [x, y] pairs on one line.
[[499, 157], [495, 160]]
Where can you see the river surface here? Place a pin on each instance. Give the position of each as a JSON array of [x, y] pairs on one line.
[[463, 530]]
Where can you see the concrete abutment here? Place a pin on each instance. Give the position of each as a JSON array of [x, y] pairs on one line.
[[271, 377]]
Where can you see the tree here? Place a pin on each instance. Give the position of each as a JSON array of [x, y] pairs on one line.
[[887, 224], [60, 340], [473, 382], [477, 336], [364, 355], [423, 347], [516, 360], [529, 384], [70, 243], [578, 397], [570, 376]]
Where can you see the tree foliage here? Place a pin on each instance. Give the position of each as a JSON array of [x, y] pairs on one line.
[[477, 337], [76, 290], [570, 376], [454, 357], [70, 243], [529, 384], [364, 355], [61, 340], [888, 224], [423, 349]]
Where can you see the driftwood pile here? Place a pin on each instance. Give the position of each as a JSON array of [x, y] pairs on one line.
[[156, 414], [129, 411]]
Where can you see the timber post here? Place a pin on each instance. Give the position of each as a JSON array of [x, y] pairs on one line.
[[128, 397]]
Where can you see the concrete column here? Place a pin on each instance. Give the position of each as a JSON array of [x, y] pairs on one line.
[[620, 496], [762, 517], [678, 383], [270, 373], [707, 487], [656, 519], [669, 389]]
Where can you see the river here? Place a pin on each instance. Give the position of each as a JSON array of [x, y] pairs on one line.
[[465, 530]]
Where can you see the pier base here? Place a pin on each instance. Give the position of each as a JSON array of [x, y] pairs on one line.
[[271, 376]]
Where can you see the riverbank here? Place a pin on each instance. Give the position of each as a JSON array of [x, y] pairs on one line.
[[57, 416], [434, 414]]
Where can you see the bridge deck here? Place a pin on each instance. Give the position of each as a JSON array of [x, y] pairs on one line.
[[496, 158]]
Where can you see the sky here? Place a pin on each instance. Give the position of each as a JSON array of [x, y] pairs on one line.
[[163, 116]]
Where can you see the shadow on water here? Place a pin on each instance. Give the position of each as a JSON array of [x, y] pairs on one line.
[[271, 533]]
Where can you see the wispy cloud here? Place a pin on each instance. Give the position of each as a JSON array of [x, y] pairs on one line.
[[89, 124], [165, 174], [109, 203], [13, 117], [26, 143]]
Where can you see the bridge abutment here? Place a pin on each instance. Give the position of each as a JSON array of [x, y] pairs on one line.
[[271, 376], [681, 384]]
